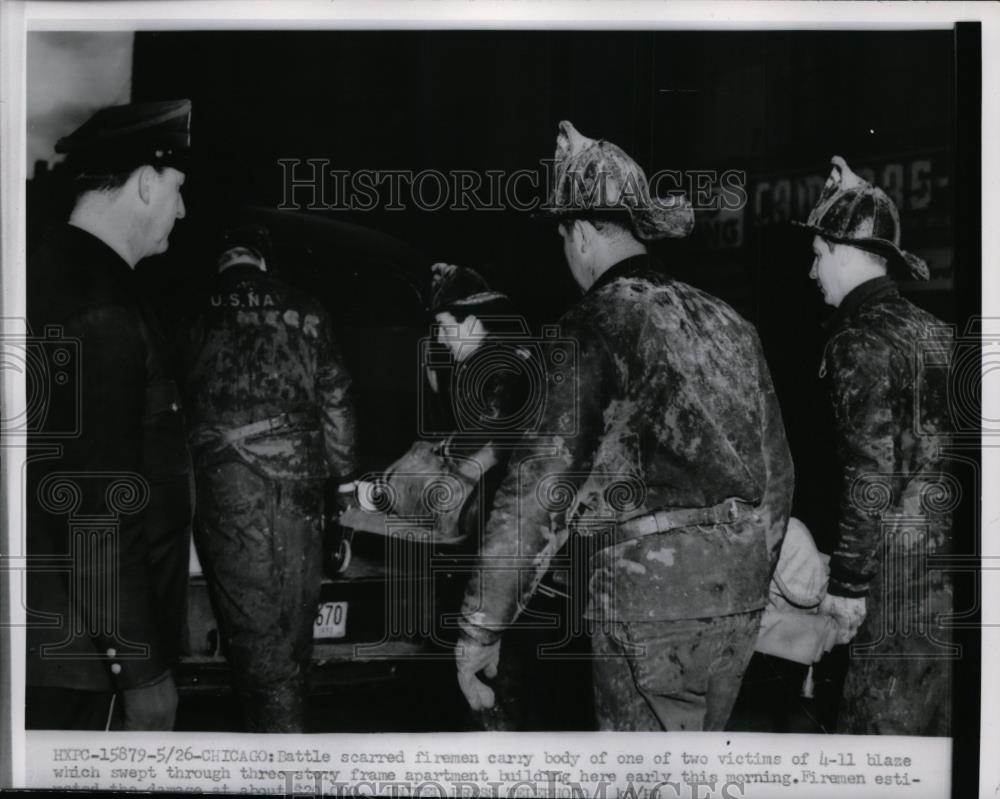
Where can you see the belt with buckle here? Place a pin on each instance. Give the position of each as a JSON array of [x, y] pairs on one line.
[[218, 438], [666, 519]]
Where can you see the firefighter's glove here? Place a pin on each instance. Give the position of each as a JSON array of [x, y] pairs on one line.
[[470, 659], [152, 706], [847, 612]]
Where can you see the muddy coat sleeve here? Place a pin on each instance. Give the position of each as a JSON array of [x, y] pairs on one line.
[[860, 371], [779, 471], [333, 395], [528, 524], [489, 405]]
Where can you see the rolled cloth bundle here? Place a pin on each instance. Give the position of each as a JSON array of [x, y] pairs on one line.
[[792, 626], [422, 495]]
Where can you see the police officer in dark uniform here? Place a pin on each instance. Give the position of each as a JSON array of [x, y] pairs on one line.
[[663, 458], [271, 422], [896, 496], [110, 507]]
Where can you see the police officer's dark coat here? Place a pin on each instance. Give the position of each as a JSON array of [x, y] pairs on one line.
[[672, 406], [127, 430]]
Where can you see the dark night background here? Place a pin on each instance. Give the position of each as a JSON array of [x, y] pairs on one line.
[[770, 104], [775, 104]]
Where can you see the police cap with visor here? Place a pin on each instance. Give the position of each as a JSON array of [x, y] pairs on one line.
[[124, 137]]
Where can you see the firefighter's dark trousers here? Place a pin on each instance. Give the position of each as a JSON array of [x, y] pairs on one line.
[[899, 678], [260, 542]]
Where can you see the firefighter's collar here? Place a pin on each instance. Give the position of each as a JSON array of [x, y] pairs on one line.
[[860, 295], [631, 265]]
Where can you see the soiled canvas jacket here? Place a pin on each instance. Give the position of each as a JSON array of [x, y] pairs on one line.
[[446, 486], [490, 393], [891, 411], [123, 464], [260, 350], [668, 404]]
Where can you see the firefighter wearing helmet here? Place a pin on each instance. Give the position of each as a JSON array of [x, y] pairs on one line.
[[662, 460], [895, 492]]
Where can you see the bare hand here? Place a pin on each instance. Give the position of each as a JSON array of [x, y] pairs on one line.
[[470, 659], [151, 707], [848, 612]]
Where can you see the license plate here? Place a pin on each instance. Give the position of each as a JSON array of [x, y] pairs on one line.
[[331, 620]]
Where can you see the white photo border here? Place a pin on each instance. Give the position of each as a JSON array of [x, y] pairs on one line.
[[17, 17]]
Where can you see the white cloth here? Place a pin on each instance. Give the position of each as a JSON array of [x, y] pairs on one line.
[[792, 626]]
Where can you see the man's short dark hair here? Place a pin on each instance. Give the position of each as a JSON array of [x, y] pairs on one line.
[[483, 312], [607, 223], [104, 178]]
